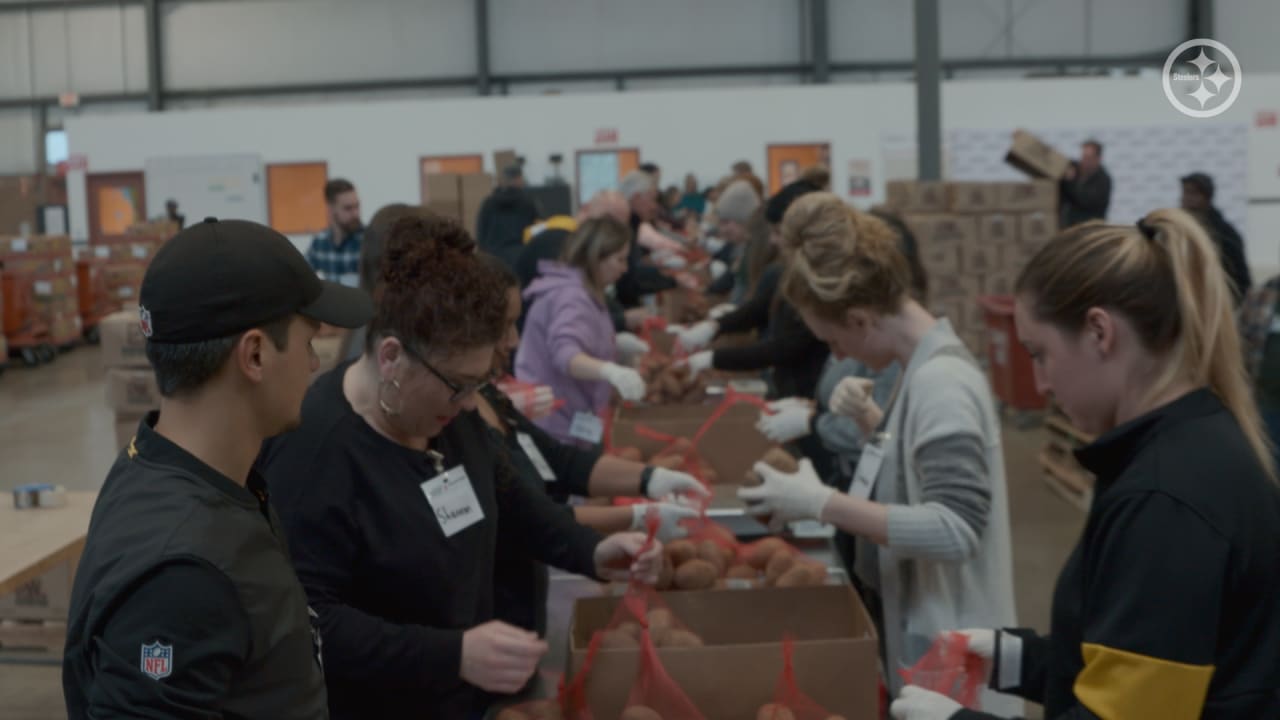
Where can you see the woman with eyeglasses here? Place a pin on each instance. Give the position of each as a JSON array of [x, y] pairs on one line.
[[569, 341], [391, 495]]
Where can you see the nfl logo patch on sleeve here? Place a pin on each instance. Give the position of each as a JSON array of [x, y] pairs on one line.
[[157, 660]]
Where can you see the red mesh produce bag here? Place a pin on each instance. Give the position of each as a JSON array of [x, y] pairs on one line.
[[641, 608], [789, 701], [949, 668], [654, 690], [770, 562]]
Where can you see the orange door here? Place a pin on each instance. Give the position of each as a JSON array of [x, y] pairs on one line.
[[116, 201], [787, 162]]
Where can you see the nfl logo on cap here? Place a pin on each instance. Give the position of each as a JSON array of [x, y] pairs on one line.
[[157, 660], [144, 319]]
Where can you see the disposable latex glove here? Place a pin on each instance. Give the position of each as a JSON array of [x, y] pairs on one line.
[[627, 381], [670, 516], [630, 346], [701, 362], [987, 644], [696, 337], [916, 703], [619, 557], [670, 260], [786, 497], [718, 268], [721, 310], [664, 482], [712, 244], [788, 421], [852, 398]]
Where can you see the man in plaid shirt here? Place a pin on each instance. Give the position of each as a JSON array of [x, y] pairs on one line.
[[335, 253]]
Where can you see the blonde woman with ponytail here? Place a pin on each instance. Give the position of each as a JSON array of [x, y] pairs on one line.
[[1169, 607], [926, 511]]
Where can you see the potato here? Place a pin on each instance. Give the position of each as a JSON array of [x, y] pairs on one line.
[[667, 574], [681, 551], [669, 462], [742, 571], [544, 710], [751, 479], [618, 640], [511, 714], [797, 576], [630, 627], [639, 712], [660, 637], [778, 565], [695, 575], [682, 638], [759, 553], [713, 553], [629, 453], [660, 618], [780, 460], [773, 711]]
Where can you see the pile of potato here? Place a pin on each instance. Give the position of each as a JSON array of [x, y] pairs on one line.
[[707, 565], [773, 711], [678, 456], [662, 631], [669, 383], [776, 457]]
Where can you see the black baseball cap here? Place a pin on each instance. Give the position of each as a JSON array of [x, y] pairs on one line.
[[1202, 182], [222, 277]]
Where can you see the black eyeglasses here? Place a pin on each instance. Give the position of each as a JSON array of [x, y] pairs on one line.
[[459, 390]]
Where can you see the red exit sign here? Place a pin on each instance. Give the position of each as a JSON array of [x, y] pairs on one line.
[[607, 136]]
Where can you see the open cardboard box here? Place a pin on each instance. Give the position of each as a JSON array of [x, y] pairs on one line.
[[731, 446], [736, 671]]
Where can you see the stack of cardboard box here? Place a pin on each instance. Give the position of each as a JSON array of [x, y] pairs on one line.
[[122, 260], [973, 239], [131, 385], [457, 196], [42, 266]]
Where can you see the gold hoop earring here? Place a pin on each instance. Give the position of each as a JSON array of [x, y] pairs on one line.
[[386, 408]]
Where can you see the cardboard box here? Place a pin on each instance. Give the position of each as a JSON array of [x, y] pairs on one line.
[[35, 244], [442, 195], [836, 653], [502, 159], [999, 228], [126, 428], [53, 286], [939, 238], [1026, 196], [161, 228], [326, 349], [1034, 157], [20, 199], [121, 274], [1036, 229], [971, 196], [127, 294], [916, 196], [731, 446], [47, 597], [65, 327], [983, 257], [37, 264], [950, 287], [139, 250], [132, 391], [123, 344], [1000, 283]]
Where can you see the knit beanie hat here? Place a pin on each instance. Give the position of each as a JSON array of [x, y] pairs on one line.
[[737, 202]]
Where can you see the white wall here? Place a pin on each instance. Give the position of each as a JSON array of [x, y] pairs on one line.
[[376, 145]]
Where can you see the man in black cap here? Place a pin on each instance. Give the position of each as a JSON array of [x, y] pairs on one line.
[[185, 602], [1197, 199], [1084, 192], [504, 215]]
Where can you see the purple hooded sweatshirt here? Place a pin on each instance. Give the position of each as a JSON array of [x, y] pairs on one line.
[[565, 319]]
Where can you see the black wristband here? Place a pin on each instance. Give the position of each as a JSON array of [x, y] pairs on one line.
[[645, 476]]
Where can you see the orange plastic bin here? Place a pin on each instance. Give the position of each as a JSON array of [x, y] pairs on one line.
[[1012, 376]]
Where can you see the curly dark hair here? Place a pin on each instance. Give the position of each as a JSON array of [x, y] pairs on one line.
[[436, 294]]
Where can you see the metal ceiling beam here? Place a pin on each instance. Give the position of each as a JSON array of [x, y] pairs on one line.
[[819, 39], [8, 7], [31, 103], [482, 47], [928, 91], [1201, 20], [155, 56], [352, 86]]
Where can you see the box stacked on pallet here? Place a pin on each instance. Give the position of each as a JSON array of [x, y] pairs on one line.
[[43, 268], [123, 260], [973, 239], [131, 385]]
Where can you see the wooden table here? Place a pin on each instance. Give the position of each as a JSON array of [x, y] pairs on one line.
[[35, 540]]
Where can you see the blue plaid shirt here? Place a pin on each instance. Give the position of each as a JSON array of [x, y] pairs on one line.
[[340, 263]]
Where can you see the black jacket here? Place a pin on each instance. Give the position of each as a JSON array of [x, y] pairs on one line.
[[786, 346], [393, 593], [1085, 198], [184, 603], [1230, 250], [503, 217], [1169, 606]]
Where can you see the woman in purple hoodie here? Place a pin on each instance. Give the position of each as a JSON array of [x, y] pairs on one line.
[[568, 341]]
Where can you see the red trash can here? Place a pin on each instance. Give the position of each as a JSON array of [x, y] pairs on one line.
[[1012, 377]]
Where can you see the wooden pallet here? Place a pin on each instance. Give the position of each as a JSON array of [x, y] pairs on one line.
[[44, 635]]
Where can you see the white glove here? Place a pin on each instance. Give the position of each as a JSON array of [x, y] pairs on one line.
[[713, 244], [786, 497], [698, 336], [630, 346], [669, 517], [664, 482], [718, 268], [789, 421], [628, 382], [982, 642], [916, 703], [985, 643], [721, 310], [701, 362], [852, 398]]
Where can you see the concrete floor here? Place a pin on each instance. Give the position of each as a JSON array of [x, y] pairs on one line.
[[54, 427]]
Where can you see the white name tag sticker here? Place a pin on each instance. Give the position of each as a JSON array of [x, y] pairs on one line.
[[453, 500], [864, 478], [535, 456], [587, 427]]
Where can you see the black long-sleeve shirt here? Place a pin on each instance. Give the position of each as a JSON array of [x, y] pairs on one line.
[[786, 345], [1169, 606], [393, 593], [1085, 198], [1230, 250]]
